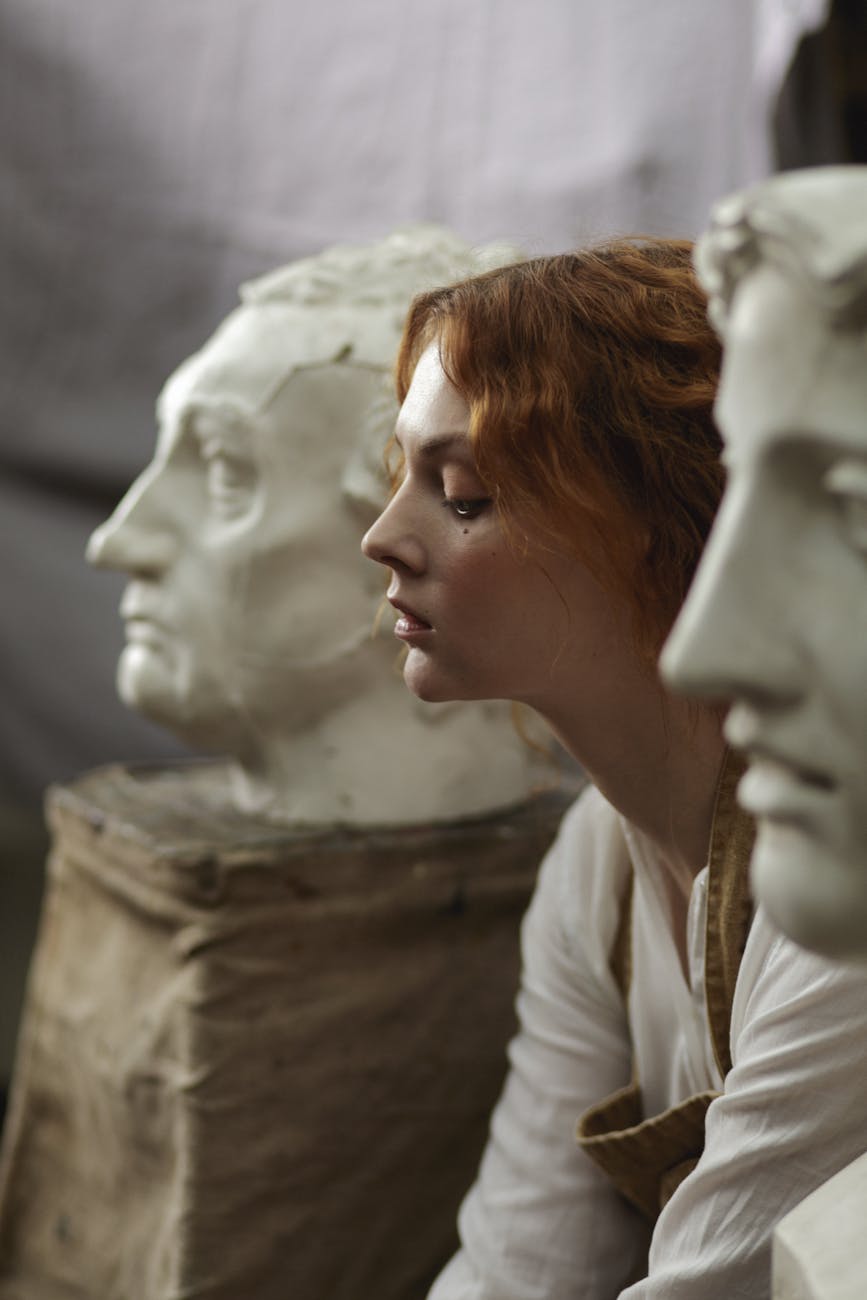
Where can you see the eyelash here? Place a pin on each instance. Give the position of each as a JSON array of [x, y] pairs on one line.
[[466, 509]]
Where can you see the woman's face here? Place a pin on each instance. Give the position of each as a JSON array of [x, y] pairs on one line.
[[479, 619]]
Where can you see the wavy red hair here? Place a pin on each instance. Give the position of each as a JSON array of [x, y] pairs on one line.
[[590, 379]]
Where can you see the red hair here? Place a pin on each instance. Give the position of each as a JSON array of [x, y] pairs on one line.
[[590, 379]]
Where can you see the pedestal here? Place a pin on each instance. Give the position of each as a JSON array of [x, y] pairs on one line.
[[820, 1248], [256, 1063]]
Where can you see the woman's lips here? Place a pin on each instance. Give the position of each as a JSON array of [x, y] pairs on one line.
[[408, 624]]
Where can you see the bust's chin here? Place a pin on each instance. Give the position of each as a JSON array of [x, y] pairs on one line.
[[150, 683], [814, 895]]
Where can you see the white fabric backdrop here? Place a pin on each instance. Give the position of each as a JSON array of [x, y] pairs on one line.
[[154, 155]]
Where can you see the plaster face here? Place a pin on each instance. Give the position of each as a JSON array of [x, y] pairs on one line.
[[246, 601], [776, 621], [252, 618]]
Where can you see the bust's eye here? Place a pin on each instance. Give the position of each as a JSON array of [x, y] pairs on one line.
[[846, 482], [231, 480]]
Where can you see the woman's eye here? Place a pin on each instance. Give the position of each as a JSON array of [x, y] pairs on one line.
[[467, 509]]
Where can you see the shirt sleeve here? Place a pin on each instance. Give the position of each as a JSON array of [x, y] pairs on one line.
[[542, 1222], [793, 1112]]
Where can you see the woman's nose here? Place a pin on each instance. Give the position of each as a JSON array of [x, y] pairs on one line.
[[393, 540], [138, 537]]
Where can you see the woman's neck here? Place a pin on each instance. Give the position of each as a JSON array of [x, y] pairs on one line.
[[657, 760]]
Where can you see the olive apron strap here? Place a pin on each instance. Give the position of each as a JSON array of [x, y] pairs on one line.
[[648, 1158]]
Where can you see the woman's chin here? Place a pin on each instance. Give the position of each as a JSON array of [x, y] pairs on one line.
[[425, 683], [428, 691]]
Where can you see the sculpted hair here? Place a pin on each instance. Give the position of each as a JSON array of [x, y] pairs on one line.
[[590, 379], [809, 224]]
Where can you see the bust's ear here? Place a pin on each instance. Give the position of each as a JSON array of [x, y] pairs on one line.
[[365, 480]]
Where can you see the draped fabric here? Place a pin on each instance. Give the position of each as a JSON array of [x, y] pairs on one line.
[[256, 1062]]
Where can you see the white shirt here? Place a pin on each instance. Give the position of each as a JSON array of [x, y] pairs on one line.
[[541, 1222]]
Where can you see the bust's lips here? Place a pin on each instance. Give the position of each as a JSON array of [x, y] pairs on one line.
[[142, 621]]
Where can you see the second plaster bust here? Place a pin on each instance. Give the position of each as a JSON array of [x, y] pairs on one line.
[[776, 621], [250, 614]]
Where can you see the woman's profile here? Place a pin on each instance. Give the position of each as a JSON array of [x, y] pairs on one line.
[[557, 471]]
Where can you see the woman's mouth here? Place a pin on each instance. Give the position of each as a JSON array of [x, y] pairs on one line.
[[408, 624]]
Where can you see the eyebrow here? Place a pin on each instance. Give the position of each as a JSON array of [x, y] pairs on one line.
[[438, 443], [791, 438], [230, 421]]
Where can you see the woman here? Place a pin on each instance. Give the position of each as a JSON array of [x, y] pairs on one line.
[[558, 473]]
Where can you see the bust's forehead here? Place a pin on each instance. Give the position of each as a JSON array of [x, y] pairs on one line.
[[347, 303], [789, 370], [762, 302], [259, 346], [392, 270]]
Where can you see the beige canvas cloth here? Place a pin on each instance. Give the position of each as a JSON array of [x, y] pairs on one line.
[[255, 1064]]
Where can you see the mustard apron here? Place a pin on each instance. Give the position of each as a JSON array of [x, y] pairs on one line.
[[647, 1159]]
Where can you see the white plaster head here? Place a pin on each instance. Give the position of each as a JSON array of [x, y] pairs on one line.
[[250, 613], [776, 621]]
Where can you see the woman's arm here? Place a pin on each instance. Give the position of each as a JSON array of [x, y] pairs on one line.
[[793, 1112], [541, 1222]]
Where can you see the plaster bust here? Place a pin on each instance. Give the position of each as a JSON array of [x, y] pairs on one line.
[[776, 621], [251, 617]]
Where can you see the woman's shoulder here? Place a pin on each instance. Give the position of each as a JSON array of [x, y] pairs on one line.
[[593, 824], [593, 840], [585, 873], [779, 981]]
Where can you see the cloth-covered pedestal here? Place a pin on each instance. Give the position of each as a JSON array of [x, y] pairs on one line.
[[255, 1061]]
